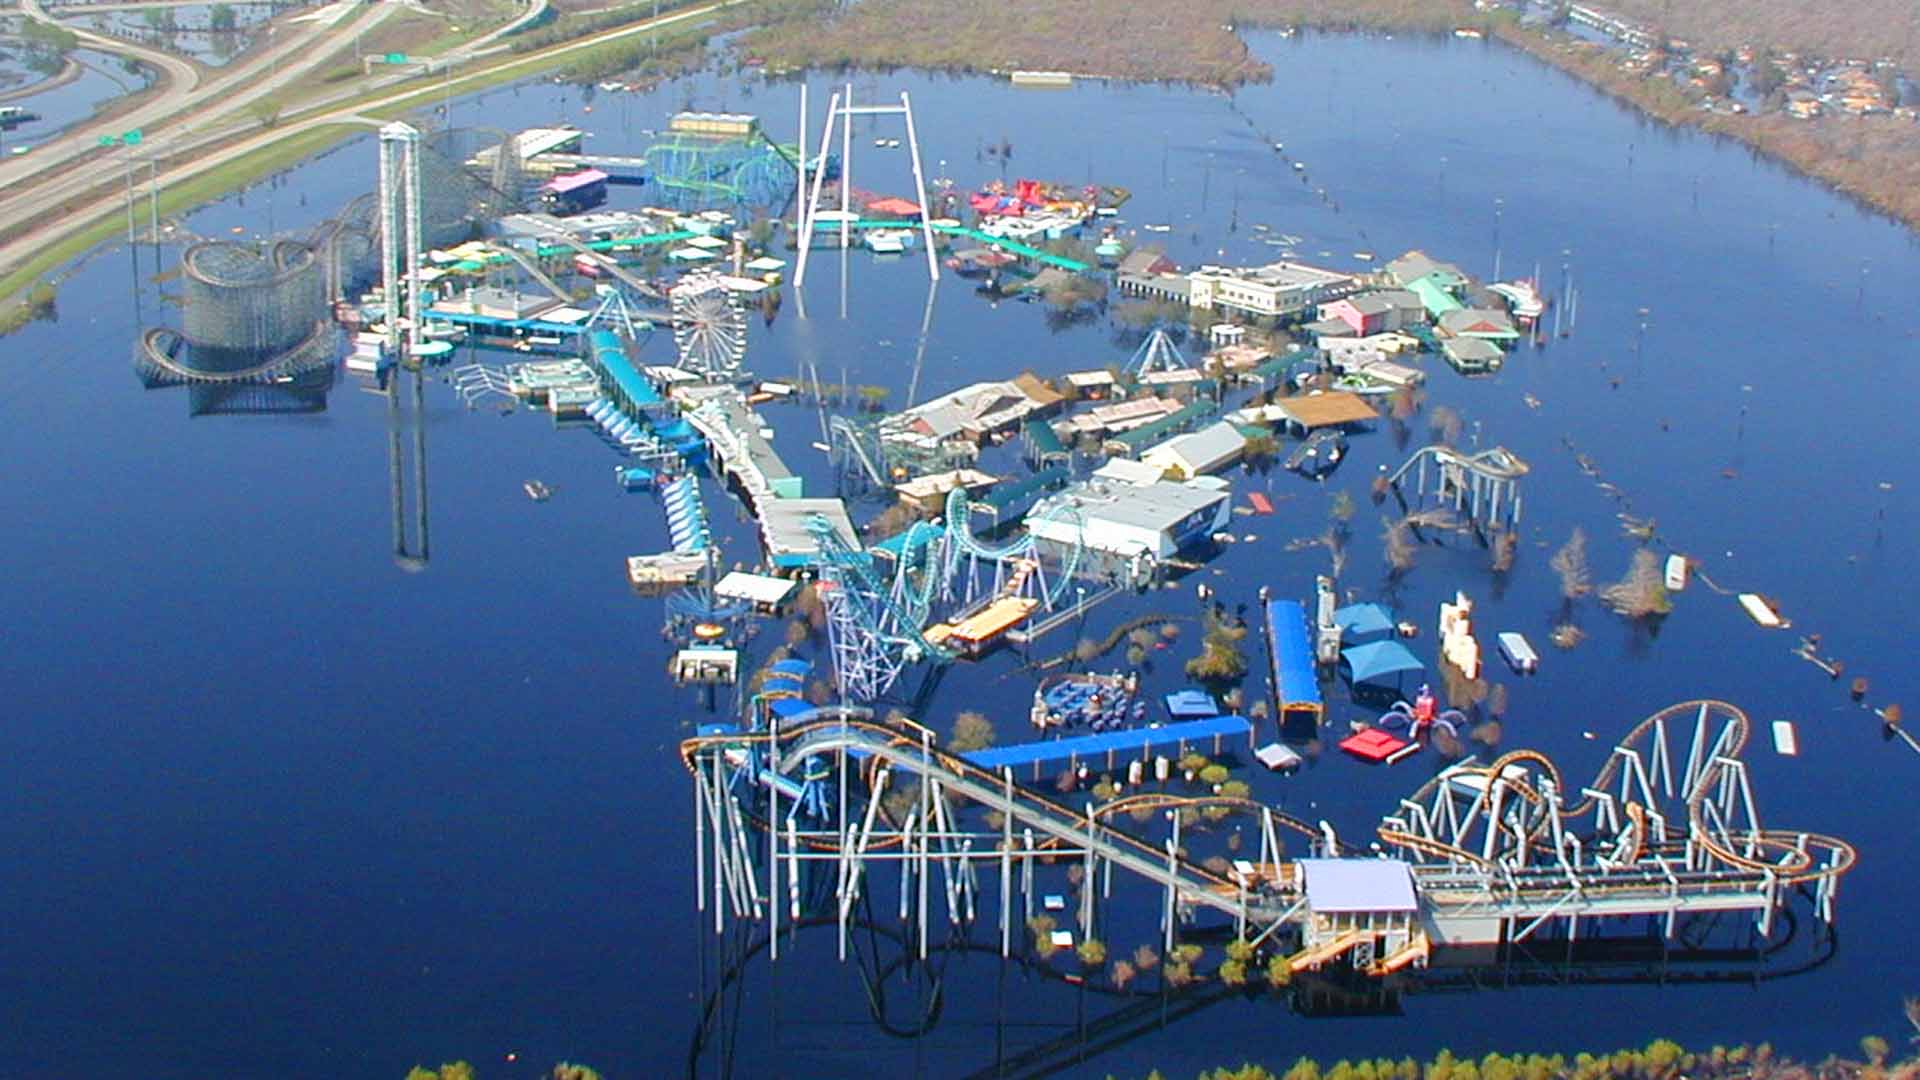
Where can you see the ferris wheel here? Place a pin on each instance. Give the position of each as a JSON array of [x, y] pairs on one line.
[[709, 328]]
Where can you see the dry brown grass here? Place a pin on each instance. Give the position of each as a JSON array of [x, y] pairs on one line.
[[1861, 28], [1189, 42]]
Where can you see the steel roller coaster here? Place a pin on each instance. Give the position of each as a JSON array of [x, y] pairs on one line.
[[1667, 837], [876, 624]]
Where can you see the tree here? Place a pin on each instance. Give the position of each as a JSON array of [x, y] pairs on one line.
[[1570, 562], [1093, 952], [266, 110], [1642, 591], [1260, 450], [1214, 774], [971, 731], [568, 1071], [1221, 659], [1875, 1049], [1341, 509], [221, 18]]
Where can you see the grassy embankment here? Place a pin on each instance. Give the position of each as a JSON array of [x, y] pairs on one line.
[[173, 200], [1873, 159]]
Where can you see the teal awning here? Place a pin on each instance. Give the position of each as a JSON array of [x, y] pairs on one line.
[[1380, 663]]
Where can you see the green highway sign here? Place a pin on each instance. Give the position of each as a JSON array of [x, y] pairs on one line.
[[396, 58], [131, 138]]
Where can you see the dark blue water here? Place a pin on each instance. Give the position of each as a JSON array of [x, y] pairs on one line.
[[266, 797]]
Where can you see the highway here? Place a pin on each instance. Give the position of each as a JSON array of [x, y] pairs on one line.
[[289, 57], [19, 208]]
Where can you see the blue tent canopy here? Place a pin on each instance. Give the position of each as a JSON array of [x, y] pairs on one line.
[[1363, 622], [792, 667], [787, 708], [1191, 703], [1380, 663]]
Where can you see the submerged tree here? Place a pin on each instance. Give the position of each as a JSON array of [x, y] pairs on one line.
[[1445, 424], [1506, 547], [1221, 658], [1397, 544], [1570, 562], [971, 731], [1642, 591]]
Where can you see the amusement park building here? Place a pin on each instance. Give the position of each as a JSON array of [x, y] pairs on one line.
[[1282, 289], [1129, 520]]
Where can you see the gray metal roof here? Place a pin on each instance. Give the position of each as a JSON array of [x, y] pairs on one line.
[[1159, 507], [1358, 885], [1206, 448]]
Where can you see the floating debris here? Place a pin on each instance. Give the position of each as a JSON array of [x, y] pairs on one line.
[[1808, 650], [537, 491], [1532, 402], [1762, 611], [1566, 636]]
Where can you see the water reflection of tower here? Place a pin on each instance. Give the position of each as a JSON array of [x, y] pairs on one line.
[[408, 555]]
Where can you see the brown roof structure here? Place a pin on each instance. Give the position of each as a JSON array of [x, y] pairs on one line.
[[1326, 410], [1037, 391]]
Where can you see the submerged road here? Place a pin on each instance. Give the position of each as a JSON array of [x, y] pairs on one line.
[[20, 208]]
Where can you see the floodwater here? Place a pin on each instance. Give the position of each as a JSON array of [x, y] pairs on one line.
[[102, 78], [267, 796], [187, 29]]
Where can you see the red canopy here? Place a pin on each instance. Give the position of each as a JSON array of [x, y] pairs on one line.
[[895, 206]]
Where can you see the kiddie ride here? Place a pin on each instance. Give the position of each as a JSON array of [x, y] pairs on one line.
[[1424, 715]]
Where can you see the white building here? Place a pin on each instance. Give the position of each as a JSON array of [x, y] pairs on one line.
[[1150, 521], [1281, 289], [1207, 450]]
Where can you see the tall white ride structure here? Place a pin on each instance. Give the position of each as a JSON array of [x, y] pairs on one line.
[[400, 235], [840, 113]]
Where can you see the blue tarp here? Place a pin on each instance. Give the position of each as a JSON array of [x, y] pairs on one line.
[[1137, 740], [781, 684], [1381, 663], [1293, 674], [1363, 622], [1191, 704]]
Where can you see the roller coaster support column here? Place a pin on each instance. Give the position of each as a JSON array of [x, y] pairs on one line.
[[1006, 867], [773, 835], [1087, 880], [1173, 866], [926, 831]]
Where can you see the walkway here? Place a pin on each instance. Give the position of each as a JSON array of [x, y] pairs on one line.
[[1025, 251]]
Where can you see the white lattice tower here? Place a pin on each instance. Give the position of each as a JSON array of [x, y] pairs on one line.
[[400, 234]]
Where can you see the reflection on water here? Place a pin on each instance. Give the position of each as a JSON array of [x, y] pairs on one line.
[[1024, 1017], [408, 554]]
